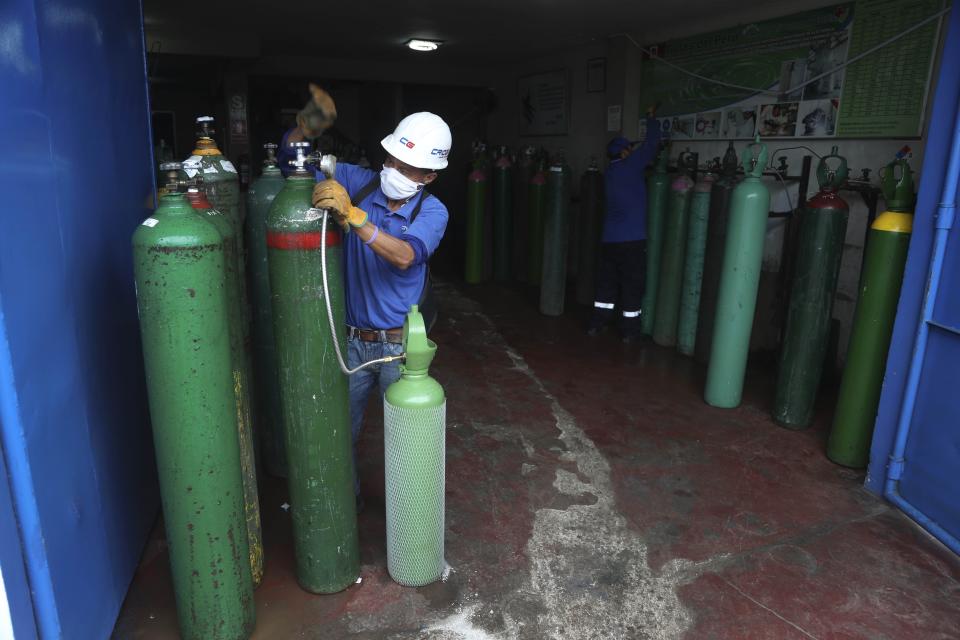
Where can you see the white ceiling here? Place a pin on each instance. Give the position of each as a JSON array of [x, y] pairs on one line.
[[491, 32]]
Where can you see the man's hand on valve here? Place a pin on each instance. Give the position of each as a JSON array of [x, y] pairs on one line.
[[330, 194]]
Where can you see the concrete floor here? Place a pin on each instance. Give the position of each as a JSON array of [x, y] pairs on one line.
[[591, 494]]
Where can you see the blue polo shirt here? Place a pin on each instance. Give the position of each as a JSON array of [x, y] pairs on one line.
[[626, 191], [379, 295]]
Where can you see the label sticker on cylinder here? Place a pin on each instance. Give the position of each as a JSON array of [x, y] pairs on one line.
[[191, 171], [227, 166], [150, 222]]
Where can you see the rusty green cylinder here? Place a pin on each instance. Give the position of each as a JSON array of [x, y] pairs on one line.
[[179, 267], [240, 367], [823, 227], [693, 265], [739, 283], [313, 390], [476, 206], [536, 205], [671, 262], [713, 255], [502, 217], [591, 225], [556, 225], [658, 189], [268, 410]]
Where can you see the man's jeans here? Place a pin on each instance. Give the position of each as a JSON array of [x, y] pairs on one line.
[[363, 382]]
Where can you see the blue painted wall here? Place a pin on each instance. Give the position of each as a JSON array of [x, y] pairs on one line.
[[938, 139], [75, 179]]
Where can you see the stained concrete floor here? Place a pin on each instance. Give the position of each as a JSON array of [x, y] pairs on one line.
[[591, 494]]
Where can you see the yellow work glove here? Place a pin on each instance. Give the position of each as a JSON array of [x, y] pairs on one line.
[[330, 194], [318, 114]]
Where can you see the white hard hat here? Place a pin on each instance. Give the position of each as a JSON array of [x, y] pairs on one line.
[[421, 140]]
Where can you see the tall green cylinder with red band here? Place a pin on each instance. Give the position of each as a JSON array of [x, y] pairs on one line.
[[591, 224], [179, 269], [313, 390], [536, 204], [693, 264], [880, 284], [553, 277], [476, 206], [671, 262], [658, 188], [502, 215]]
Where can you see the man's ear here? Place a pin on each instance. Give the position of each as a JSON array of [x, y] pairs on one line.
[[430, 177]]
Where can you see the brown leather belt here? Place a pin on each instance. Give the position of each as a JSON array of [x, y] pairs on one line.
[[393, 336]]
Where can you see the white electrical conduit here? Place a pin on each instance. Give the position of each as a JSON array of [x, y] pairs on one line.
[[855, 58], [333, 325]]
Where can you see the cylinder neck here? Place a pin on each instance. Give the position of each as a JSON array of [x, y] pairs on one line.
[[206, 147]]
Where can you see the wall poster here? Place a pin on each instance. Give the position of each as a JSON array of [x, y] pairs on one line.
[[544, 104]]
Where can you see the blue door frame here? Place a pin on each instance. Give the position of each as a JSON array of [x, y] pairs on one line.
[[916, 445]]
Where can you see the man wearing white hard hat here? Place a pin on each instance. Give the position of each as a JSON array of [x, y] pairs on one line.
[[393, 225]]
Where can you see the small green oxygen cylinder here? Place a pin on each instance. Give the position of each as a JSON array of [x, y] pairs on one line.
[[693, 264], [713, 255], [240, 372], [476, 206], [739, 282], [880, 284], [671, 260], [553, 280], [268, 410], [314, 392], [179, 268], [823, 227], [658, 188], [536, 204], [414, 456], [591, 226], [502, 215]]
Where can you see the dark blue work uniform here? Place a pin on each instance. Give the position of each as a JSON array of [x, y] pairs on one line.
[[621, 270]]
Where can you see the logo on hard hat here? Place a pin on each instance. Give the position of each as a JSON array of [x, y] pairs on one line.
[[440, 153], [408, 144]]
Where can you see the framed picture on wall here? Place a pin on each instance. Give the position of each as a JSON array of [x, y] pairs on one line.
[[596, 75], [544, 103]]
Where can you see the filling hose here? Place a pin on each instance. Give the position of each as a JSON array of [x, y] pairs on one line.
[[333, 325]]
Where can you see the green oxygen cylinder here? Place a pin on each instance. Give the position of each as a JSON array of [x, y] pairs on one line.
[[658, 189], [220, 179], [241, 375], [179, 268], [887, 245], [693, 264], [671, 261], [502, 215], [739, 282], [713, 255], [523, 171], [823, 227], [536, 204], [476, 205], [267, 406], [313, 390], [553, 281], [414, 461], [591, 221]]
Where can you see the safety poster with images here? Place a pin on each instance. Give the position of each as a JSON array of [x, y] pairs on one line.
[[790, 77]]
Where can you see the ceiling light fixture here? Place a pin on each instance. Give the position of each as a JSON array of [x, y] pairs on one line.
[[423, 45]]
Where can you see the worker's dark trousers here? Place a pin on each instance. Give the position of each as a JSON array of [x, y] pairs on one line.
[[621, 277]]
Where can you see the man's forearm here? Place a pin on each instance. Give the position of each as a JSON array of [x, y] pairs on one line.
[[392, 249]]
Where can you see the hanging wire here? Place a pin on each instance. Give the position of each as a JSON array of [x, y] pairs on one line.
[[844, 65]]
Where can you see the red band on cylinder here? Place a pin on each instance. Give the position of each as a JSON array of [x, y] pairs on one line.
[[303, 241]]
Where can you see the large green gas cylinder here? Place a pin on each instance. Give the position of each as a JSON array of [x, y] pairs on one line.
[[241, 375], [267, 406], [880, 284], [502, 215], [693, 264], [316, 412], [713, 255], [476, 205], [591, 225], [179, 268], [220, 179], [414, 454], [658, 188], [823, 227], [536, 204], [739, 281], [521, 181], [671, 262], [553, 281]]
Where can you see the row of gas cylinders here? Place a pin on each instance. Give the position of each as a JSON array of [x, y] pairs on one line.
[[705, 242], [240, 370]]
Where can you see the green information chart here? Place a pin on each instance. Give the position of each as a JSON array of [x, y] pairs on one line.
[[885, 93]]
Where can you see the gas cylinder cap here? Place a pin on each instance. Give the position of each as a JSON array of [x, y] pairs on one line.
[[832, 177], [753, 164], [419, 350], [898, 192]]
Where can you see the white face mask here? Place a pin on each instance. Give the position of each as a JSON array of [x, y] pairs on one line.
[[397, 186]]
